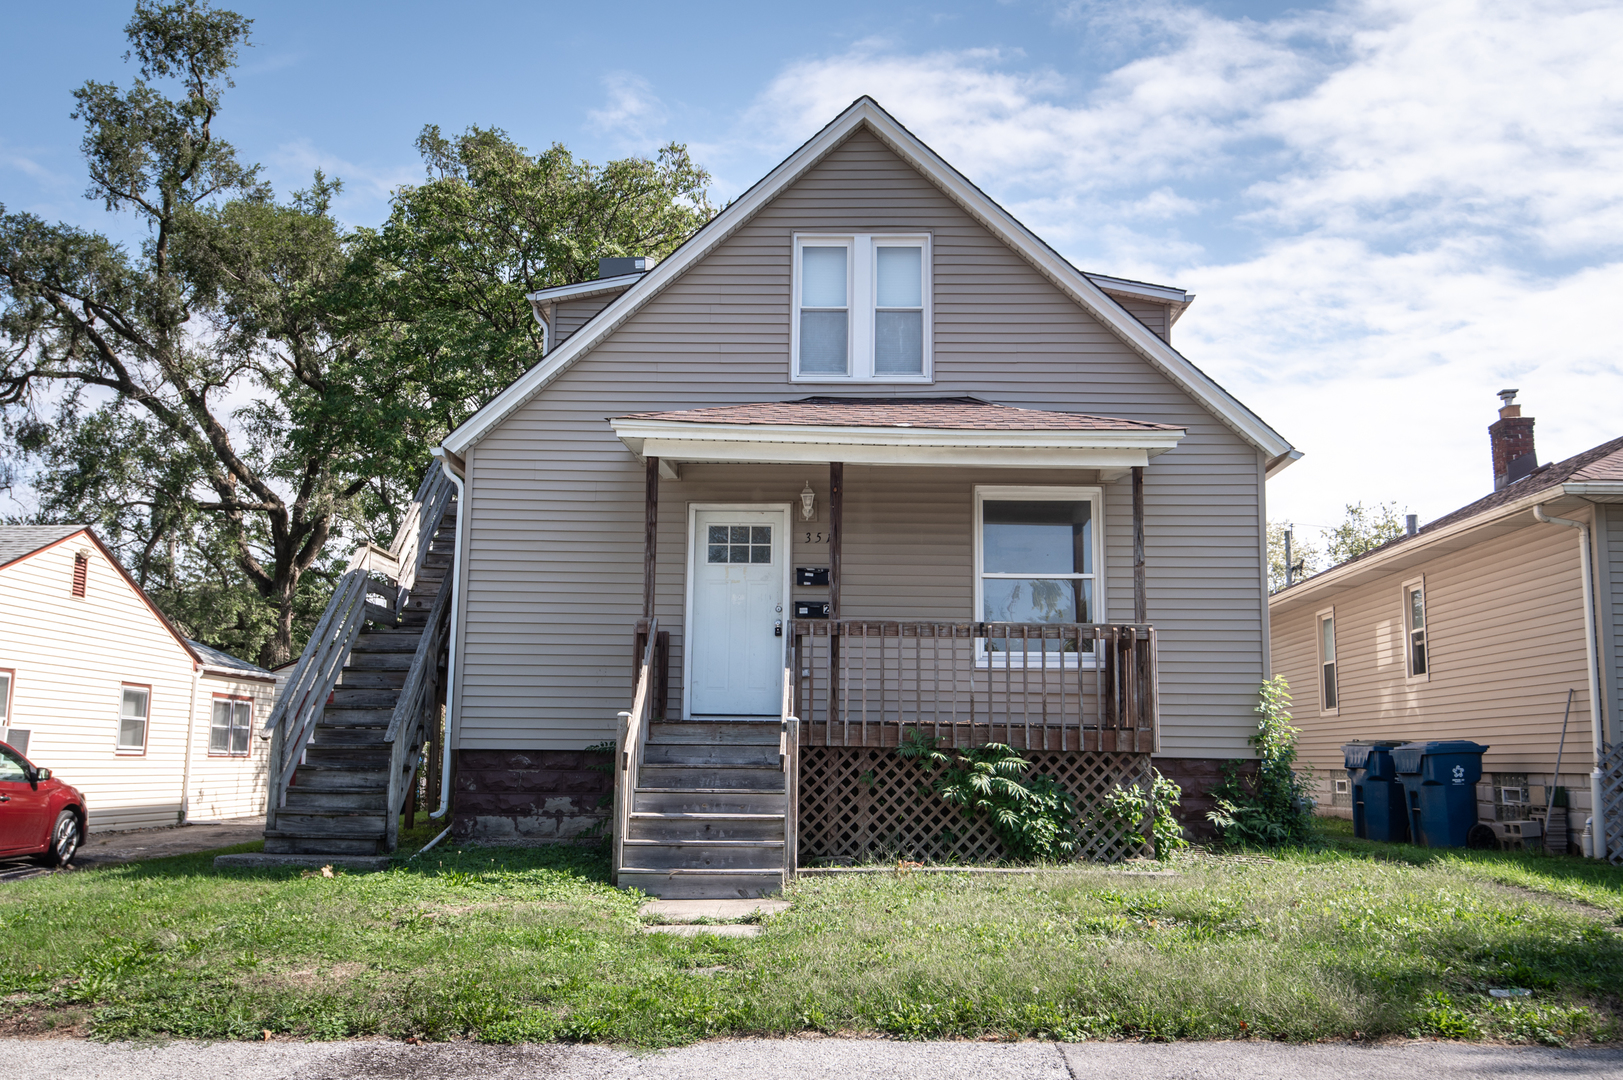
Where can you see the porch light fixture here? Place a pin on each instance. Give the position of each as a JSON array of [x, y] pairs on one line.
[[808, 503]]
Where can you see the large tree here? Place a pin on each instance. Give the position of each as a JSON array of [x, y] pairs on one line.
[[254, 380]]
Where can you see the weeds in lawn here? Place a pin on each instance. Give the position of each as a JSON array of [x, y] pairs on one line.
[[522, 944]]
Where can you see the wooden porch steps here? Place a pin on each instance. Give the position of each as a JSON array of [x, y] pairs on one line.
[[337, 803], [707, 818]]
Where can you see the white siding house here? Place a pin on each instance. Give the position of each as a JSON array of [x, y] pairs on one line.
[[103, 690]]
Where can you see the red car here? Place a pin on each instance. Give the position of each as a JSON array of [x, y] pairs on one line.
[[39, 815]]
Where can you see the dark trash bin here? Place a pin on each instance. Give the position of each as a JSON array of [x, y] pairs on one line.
[[1380, 808], [1439, 784]]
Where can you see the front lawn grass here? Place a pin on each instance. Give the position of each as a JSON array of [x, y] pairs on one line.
[[533, 944]]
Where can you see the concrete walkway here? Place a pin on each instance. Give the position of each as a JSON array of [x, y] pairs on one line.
[[798, 1059]]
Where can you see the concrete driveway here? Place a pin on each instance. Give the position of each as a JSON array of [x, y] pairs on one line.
[[133, 845], [798, 1059]]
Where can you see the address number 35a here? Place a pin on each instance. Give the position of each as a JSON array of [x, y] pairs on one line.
[[816, 538]]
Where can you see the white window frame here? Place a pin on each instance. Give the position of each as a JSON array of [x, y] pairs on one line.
[[1096, 519], [1318, 651], [1409, 587], [146, 726], [233, 700], [5, 699], [862, 285]]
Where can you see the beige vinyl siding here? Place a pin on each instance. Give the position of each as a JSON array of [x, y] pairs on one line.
[[570, 315], [223, 786], [1153, 315], [554, 556], [72, 657], [1505, 641]]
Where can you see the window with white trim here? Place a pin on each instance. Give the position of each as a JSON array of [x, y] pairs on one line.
[[1417, 663], [861, 308], [1329, 692], [229, 727], [1037, 558], [5, 699], [133, 707]]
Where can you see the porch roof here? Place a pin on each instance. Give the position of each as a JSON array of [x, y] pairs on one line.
[[895, 431]]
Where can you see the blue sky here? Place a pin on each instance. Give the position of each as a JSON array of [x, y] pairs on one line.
[[1388, 210]]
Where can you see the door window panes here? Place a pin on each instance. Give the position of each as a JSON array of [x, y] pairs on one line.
[[132, 719], [739, 544]]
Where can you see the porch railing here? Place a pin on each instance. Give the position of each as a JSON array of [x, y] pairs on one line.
[[789, 760], [629, 744], [1040, 686]]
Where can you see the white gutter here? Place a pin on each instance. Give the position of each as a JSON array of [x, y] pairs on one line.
[[1596, 722], [452, 580]]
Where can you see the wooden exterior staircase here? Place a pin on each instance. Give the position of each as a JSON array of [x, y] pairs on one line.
[[361, 710], [703, 810]]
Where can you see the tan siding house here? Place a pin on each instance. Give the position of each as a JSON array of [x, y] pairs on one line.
[[104, 692], [1473, 627], [593, 487]]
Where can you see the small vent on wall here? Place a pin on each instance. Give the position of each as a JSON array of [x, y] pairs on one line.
[[81, 570]]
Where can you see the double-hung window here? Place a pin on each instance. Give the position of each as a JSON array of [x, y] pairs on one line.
[[1414, 625], [134, 702], [1036, 557], [1329, 695], [228, 729], [861, 308]]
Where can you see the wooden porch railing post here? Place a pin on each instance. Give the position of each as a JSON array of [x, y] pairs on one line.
[[650, 537], [1140, 599]]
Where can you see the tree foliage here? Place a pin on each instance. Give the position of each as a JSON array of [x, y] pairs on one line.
[[1361, 529], [255, 381]]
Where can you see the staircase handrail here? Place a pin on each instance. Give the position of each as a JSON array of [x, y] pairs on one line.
[[372, 569], [789, 760], [417, 696], [629, 746]]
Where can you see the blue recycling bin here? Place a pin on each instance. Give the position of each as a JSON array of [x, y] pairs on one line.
[[1439, 785], [1380, 807]]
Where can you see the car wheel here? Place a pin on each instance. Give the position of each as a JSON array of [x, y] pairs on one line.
[[65, 838]]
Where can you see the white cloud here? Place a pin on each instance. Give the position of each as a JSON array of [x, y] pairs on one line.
[[1389, 210], [633, 114]]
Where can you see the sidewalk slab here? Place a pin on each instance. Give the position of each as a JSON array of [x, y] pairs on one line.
[[740, 930], [678, 911]]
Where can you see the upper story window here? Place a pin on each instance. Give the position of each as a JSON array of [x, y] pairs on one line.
[[1414, 620], [862, 308]]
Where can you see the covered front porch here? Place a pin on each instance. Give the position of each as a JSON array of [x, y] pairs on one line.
[[1015, 647]]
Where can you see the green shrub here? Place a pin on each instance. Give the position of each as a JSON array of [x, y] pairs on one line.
[[1128, 805], [1032, 816], [1273, 807]]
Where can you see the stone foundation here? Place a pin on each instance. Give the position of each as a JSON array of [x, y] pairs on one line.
[[1197, 777], [530, 795]]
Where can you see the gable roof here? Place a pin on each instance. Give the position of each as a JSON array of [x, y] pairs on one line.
[[866, 113], [17, 541], [943, 413], [1596, 474], [215, 660]]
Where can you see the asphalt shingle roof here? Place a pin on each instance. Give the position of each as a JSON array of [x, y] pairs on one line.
[[19, 540], [214, 658], [953, 413]]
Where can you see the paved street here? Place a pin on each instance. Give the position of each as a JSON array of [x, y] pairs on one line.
[[797, 1059], [131, 845]]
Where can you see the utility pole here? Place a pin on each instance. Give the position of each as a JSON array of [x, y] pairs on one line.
[[1289, 567]]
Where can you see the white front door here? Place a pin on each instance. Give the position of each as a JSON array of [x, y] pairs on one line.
[[735, 615]]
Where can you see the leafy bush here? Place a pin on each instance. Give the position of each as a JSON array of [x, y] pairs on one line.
[[1272, 808], [1032, 816], [1128, 805]]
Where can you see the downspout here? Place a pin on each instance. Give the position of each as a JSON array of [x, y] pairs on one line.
[[1596, 722], [451, 668], [191, 726]]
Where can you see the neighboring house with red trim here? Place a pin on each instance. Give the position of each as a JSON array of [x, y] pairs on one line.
[[1476, 626], [98, 686]]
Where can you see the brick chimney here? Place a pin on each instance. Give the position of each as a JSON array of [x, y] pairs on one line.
[[1512, 439]]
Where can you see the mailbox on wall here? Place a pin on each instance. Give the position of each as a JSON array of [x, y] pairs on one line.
[[811, 575], [811, 609]]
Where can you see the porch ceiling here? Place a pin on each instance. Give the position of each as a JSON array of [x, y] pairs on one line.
[[896, 431]]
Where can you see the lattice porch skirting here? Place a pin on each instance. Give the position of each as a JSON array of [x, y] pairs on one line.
[[867, 803]]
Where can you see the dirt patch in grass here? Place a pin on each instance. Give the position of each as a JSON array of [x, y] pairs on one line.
[[39, 1022]]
